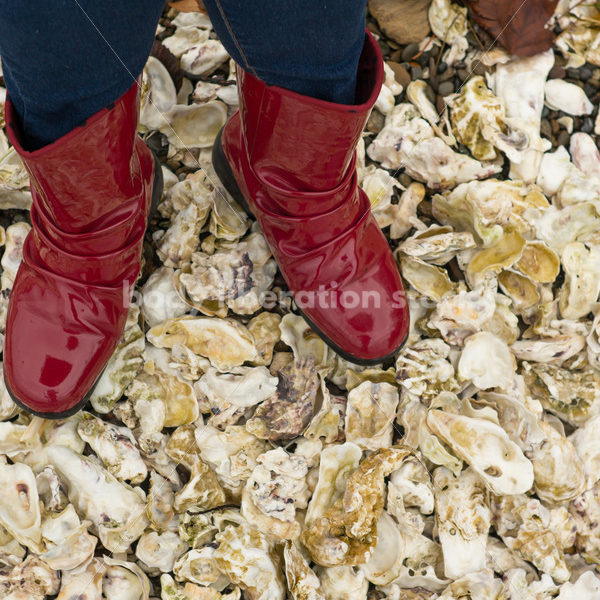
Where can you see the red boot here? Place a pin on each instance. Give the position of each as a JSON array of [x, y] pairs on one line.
[[291, 160], [93, 191]]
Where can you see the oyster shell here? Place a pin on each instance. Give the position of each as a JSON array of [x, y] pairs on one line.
[[202, 489], [475, 364], [479, 122], [449, 23], [199, 566], [385, 563], [19, 505], [567, 97], [124, 581], [33, 579], [370, 413], [204, 58], [160, 550], [286, 414], [14, 180], [423, 369], [13, 253], [158, 94], [235, 278], [582, 280], [115, 510], [67, 540], [574, 396], [335, 467], [343, 583], [225, 342], [463, 520], [347, 532], [436, 245], [249, 560], [524, 525], [115, 446], [520, 85], [558, 471], [247, 387], [232, 454], [487, 448], [159, 504], [408, 141], [194, 125], [274, 491], [301, 579], [123, 366], [159, 298]]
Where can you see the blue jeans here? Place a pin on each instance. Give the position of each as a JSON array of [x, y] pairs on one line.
[[65, 60]]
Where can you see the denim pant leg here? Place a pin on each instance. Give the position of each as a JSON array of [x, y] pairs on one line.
[[311, 47], [65, 60]]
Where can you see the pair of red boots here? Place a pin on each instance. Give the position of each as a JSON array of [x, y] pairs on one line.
[[288, 158]]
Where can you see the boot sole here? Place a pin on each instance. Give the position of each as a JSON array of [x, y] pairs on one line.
[[157, 189], [225, 174]]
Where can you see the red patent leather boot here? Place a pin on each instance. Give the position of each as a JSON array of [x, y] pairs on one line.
[[290, 160], [93, 191]]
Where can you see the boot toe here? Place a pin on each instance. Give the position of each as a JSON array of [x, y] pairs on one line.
[[366, 320], [57, 343]]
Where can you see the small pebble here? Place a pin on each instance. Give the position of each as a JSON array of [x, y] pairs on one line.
[[557, 72], [446, 75], [546, 129], [445, 88], [401, 74], [545, 112], [585, 73], [442, 67], [463, 74], [573, 74], [589, 89], [410, 51], [376, 122], [563, 139], [396, 55], [555, 126], [588, 125], [404, 179], [416, 72]]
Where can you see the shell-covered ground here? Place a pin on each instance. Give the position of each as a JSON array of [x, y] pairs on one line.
[[228, 453]]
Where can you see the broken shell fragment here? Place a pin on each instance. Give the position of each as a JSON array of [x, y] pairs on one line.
[[225, 342], [487, 448], [567, 97], [194, 125]]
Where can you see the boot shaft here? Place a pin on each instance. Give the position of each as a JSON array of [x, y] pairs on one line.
[[302, 143]]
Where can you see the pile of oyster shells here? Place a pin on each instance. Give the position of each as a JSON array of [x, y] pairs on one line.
[[228, 453]]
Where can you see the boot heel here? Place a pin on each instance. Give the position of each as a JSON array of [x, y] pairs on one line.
[[225, 174]]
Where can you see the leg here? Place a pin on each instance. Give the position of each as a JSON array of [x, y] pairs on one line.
[[307, 81], [63, 61], [310, 47], [72, 115]]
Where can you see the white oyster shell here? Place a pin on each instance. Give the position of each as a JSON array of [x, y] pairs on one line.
[[370, 413], [487, 362], [487, 448], [225, 342], [567, 97], [115, 510], [463, 520], [19, 505]]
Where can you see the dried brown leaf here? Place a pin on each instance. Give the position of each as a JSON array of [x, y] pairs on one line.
[[518, 26]]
